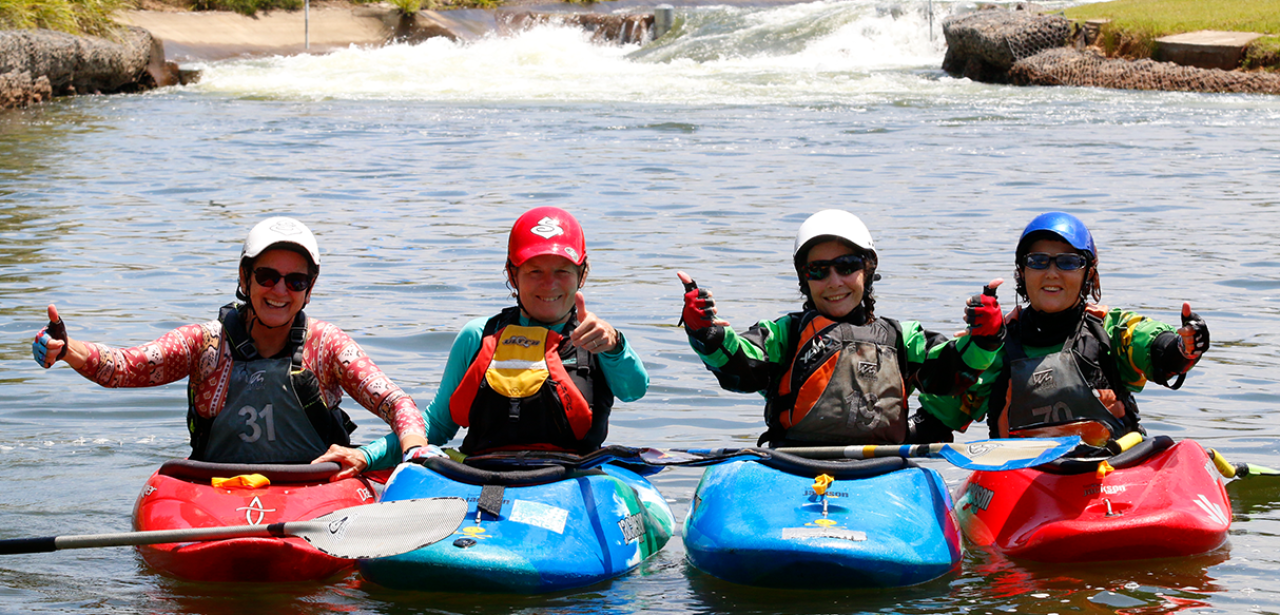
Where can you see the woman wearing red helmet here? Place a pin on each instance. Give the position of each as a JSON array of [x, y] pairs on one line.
[[540, 375]]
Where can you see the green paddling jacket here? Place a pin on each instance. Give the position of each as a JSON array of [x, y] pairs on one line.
[[1135, 349], [885, 360]]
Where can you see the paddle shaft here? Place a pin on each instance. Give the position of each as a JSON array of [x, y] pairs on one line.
[[46, 544], [865, 452]]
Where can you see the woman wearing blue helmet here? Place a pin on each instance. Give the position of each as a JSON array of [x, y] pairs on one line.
[[1068, 366]]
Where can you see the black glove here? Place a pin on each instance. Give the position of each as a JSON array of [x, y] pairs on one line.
[[925, 428]]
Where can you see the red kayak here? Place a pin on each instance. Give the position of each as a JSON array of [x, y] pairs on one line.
[[1161, 500], [180, 495]]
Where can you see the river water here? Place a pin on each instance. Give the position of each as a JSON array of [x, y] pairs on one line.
[[702, 152]]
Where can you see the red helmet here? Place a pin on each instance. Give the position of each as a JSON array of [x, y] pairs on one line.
[[546, 230]]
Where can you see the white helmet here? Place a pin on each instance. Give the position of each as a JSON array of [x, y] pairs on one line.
[[836, 224], [280, 230]]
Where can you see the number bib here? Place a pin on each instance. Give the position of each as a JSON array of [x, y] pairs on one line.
[[262, 421]]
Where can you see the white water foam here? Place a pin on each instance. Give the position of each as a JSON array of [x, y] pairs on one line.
[[814, 52]]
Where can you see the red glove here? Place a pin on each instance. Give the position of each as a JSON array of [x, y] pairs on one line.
[[982, 314], [699, 308], [1194, 333]]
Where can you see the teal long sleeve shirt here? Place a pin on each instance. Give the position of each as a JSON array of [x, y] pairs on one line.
[[622, 368]]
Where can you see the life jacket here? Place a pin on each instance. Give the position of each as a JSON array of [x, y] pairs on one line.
[[844, 385], [1066, 392], [304, 421], [529, 388]]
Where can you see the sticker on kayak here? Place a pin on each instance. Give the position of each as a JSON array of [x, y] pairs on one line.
[[799, 533], [541, 515]]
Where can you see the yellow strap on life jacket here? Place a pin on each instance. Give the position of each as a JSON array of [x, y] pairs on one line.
[[519, 365], [243, 481]]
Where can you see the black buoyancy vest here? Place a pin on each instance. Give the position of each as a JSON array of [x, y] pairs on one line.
[[844, 385], [1059, 388], [333, 425], [538, 421]]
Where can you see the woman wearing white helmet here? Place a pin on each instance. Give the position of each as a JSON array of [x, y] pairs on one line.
[[836, 372], [263, 380], [540, 375]]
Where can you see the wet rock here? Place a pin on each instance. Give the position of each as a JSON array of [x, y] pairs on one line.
[[18, 89], [83, 64], [983, 45], [621, 29], [1073, 67]]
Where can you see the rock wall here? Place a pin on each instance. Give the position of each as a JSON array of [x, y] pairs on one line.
[[1074, 67], [984, 45], [46, 63], [621, 29], [1022, 48]]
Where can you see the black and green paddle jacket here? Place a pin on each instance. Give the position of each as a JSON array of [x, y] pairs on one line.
[[756, 361]]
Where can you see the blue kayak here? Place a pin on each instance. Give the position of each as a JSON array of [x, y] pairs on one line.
[[881, 523], [527, 531]]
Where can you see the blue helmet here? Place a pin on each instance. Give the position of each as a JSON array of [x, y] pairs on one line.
[[1063, 225]]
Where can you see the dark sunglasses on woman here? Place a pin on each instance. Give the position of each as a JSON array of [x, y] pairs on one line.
[[267, 277], [844, 265], [1065, 262]]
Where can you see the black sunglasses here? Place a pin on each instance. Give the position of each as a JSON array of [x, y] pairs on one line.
[[267, 277], [844, 265], [1065, 262]]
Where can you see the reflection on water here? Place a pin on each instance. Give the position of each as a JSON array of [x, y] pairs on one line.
[[702, 153]]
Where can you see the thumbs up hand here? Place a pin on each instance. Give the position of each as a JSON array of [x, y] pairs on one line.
[[699, 308], [51, 342], [1194, 333], [592, 333]]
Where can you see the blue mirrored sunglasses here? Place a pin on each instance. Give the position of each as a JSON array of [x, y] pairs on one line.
[[1064, 262]]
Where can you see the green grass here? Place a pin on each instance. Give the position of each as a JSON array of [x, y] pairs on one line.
[[73, 16], [1135, 24]]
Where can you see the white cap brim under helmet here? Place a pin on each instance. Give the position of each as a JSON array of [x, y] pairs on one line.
[[273, 232]]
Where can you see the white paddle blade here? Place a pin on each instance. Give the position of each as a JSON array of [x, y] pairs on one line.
[[1008, 454], [382, 529]]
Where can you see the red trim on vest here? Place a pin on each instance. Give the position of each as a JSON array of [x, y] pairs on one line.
[[465, 395], [576, 408]]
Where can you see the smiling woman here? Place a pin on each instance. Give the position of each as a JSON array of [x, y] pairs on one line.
[[264, 380], [836, 372], [540, 375]]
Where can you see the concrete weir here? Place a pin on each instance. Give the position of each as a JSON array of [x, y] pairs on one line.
[[1027, 48]]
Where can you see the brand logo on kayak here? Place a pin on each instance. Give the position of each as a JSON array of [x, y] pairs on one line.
[[520, 340], [1042, 378], [255, 506], [547, 228], [810, 493], [632, 527], [364, 494], [1214, 511], [338, 527], [980, 496], [1099, 488]]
